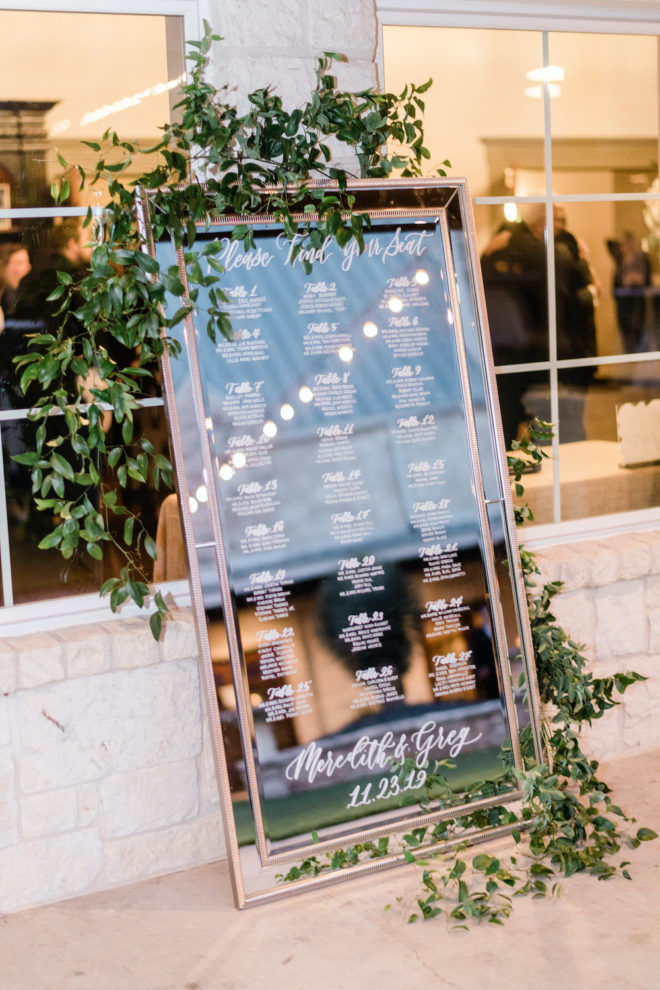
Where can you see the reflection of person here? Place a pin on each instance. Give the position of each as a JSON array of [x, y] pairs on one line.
[[514, 274], [69, 252], [632, 274], [16, 267], [33, 312], [576, 293], [392, 598], [515, 284]]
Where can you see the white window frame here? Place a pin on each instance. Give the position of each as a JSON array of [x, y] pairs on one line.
[[56, 613], [609, 17]]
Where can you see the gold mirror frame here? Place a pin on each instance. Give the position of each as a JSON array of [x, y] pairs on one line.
[[201, 417]]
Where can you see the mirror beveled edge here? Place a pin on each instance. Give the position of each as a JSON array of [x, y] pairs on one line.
[[457, 189]]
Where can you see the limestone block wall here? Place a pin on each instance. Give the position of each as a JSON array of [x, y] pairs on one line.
[[611, 603], [106, 765], [106, 769], [276, 44]]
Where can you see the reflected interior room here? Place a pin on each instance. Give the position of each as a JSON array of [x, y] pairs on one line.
[[537, 134]]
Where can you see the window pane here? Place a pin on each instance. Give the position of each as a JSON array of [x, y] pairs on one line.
[[477, 114], [39, 249], [605, 119], [525, 396], [514, 271], [609, 455], [60, 85], [621, 243], [38, 574]]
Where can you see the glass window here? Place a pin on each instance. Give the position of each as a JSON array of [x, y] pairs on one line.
[[604, 107], [570, 256], [60, 85]]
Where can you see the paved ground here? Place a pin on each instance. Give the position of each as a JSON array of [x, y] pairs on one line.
[[182, 932]]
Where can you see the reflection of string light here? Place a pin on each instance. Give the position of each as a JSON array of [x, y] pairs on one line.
[[193, 503], [287, 411], [208, 423], [450, 317], [269, 428], [536, 92], [422, 276], [255, 699], [124, 104], [60, 127], [547, 73], [201, 494], [305, 394], [510, 212], [395, 304], [129, 101], [370, 329], [226, 472], [345, 353], [239, 459]]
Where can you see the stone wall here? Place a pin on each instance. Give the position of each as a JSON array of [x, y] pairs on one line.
[[611, 603], [276, 43], [105, 763], [106, 768]]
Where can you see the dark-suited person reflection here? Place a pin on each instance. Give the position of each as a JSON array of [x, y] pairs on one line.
[[379, 635], [372, 635], [632, 275], [515, 283]]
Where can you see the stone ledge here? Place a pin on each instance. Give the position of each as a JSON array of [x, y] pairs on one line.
[[594, 563], [158, 853]]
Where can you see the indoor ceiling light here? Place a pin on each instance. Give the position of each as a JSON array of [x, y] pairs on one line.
[[536, 92], [546, 73]]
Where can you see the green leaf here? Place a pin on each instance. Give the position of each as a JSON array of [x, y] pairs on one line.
[[52, 539], [62, 466], [109, 585], [128, 530], [156, 624], [147, 263], [646, 834]]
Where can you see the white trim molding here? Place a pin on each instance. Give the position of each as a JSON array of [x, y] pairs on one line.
[[189, 10], [606, 16]]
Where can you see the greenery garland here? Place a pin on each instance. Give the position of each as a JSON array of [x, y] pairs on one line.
[[212, 160], [573, 824], [567, 823]]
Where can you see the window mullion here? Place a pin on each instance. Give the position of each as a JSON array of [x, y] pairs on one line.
[[5, 551], [551, 293]]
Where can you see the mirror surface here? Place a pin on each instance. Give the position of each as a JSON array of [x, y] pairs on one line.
[[349, 533]]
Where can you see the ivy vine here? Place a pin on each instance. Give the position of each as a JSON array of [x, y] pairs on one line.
[[568, 822], [211, 160]]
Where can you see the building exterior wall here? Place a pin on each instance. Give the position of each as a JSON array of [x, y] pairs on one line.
[[106, 768], [610, 603]]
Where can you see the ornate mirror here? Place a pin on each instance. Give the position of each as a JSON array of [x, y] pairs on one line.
[[355, 578]]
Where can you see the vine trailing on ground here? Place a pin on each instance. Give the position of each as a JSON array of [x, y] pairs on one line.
[[212, 160], [264, 161], [567, 822]]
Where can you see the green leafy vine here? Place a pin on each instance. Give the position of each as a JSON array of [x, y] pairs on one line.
[[211, 160], [567, 823]]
